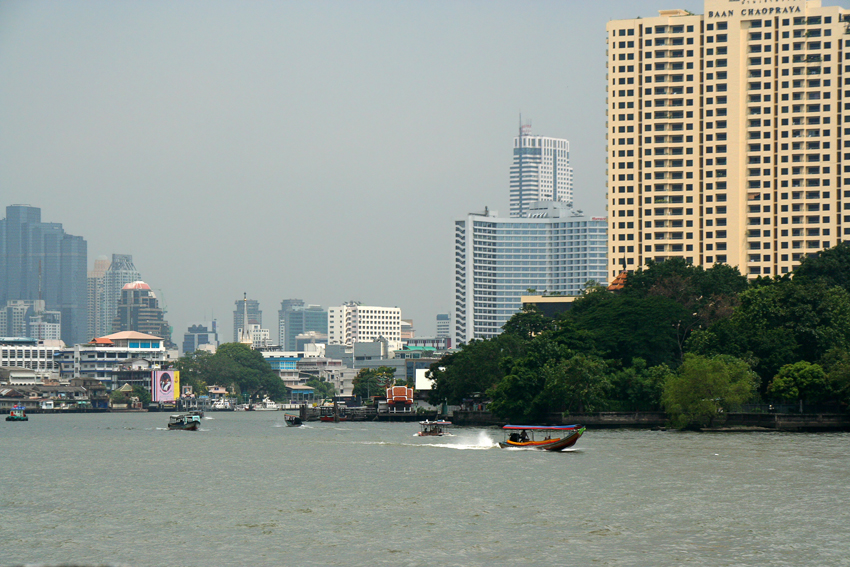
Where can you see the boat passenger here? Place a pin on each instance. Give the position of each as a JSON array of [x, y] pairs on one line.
[[523, 436]]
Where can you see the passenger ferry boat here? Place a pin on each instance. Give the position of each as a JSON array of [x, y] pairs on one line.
[[185, 422], [438, 428], [545, 437], [18, 413]]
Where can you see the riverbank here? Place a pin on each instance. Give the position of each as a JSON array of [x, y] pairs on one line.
[[656, 420]]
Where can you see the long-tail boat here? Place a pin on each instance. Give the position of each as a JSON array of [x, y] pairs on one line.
[[545, 437]]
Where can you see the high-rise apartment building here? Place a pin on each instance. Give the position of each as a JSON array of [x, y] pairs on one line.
[[39, 261], [553, 249], [726, 135], [352, 323], [540, 172], [255, 316]]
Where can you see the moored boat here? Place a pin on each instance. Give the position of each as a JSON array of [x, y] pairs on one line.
[[437, 428], [266, 405], [18, 413], [544, 437], [185, 422]]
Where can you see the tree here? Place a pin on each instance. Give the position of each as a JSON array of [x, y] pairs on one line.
[[195, 368], [836, 364], [831, 266], [781, 322], [624, 327], [549, 378], [475, 368], [373, 381], [579, 384], [704, 388], [323, 390], [143, 394], [236, 364], [801, 381], [528, 323], [639, 387]]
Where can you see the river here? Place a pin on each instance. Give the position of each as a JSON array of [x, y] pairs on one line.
[[120, 489]]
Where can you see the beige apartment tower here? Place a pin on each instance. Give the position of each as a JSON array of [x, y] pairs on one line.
[[726, 135]]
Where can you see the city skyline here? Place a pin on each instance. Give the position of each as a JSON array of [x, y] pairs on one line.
[[344, 136]]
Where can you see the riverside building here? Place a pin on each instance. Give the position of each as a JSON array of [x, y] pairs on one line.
[[727, 135], [354, 323], [555, 249], [540, 172]]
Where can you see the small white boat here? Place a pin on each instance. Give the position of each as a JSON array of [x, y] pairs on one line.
[[266, 405], [437, 428]]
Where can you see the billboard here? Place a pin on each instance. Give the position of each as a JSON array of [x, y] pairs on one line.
[[165, 385]]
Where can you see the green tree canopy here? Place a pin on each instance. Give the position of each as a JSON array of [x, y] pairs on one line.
[[373, 381], [475, 368], [194, 370], [624, 327], [831, 266], [321, 388], [801, 381], [237, 365], [704, 388], [528, 323], [781, 322]]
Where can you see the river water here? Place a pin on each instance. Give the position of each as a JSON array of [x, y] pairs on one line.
[[120, 489]]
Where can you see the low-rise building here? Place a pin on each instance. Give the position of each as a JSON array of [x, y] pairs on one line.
[[36, 355], [116, 359]]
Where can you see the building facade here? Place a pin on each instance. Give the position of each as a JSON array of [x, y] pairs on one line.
[[354, 323], [122, 357], [38, 356], [540, 171], [497, 260], [204, 333], [39, 261], [444, 325], [29, 318], [726, 135], [295, 318]]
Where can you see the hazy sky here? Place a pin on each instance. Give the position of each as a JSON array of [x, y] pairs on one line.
[[303, 149]]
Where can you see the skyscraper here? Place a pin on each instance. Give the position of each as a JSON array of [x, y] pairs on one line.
[[725, 135], [295, 319], [40, 261], [497, 260], [95, 292], [121, 272], [540, 172], [139, 310]]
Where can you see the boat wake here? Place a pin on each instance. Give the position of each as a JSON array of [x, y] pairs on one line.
[[463, 442]]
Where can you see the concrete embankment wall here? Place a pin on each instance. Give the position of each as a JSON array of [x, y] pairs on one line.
[[649, 420]]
